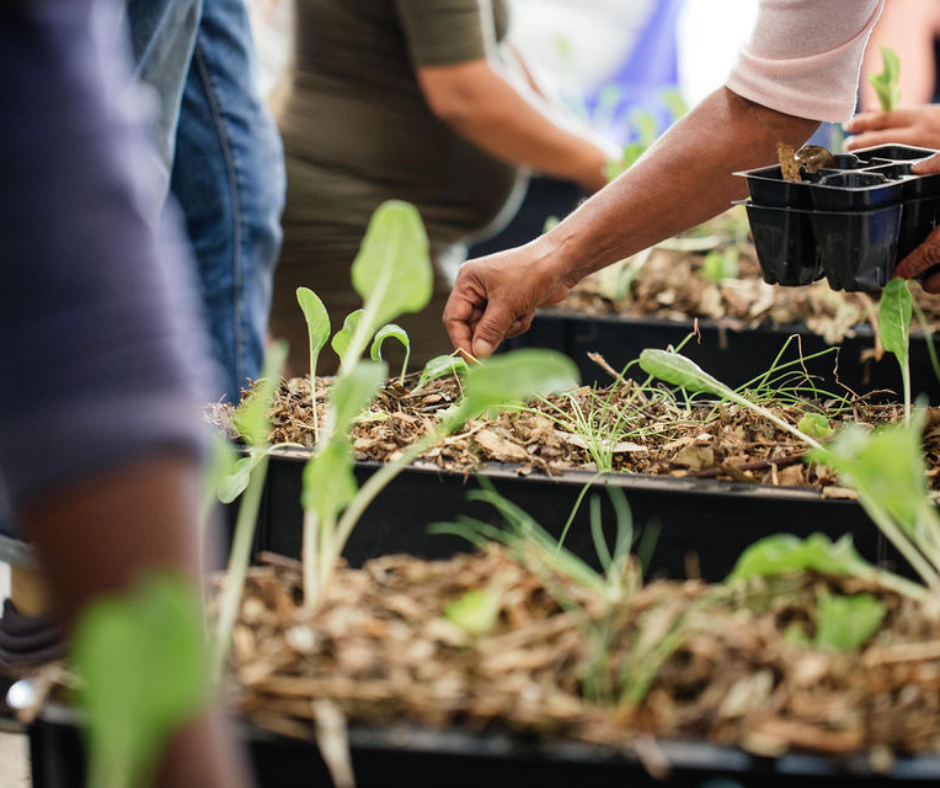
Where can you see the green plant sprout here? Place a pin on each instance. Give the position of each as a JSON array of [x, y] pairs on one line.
[[318, 328], [342, 338], [392, 272], [886, 83], [894, 327], [845, 623], [885, 467], [439, 367], [142, 663], [521, 374], [677, 370], [253, 424], [718, 266], [392, 331]]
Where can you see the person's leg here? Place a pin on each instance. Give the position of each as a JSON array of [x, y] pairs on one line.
[[228, 177]]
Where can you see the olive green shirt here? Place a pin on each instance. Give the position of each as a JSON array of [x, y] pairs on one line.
[[357, 129]]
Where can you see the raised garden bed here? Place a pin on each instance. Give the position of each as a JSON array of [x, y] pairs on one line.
[[653, 300]]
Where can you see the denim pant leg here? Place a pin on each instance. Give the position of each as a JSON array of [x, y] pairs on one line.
[[163, 36], [228, 176]]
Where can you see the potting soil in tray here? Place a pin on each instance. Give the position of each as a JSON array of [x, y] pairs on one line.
[[848, 224]]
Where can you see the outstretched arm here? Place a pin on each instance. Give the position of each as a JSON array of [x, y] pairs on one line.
[[684, 179]]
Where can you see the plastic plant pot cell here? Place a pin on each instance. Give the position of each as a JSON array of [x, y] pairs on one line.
[[894, 153], [919, 219], [849, 161], [915, 186], [786, 250], [855, 191], [767, 187], [858, 249]]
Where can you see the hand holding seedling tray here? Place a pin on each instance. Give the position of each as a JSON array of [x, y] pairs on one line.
[[851, 223]]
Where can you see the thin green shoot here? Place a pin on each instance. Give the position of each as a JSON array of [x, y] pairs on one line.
[[894, 329], [931, 340], [318, 329], [886, 83], [392, 331]]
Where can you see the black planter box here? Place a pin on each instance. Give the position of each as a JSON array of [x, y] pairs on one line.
[[406, 757], [733, 356], [702, 525]]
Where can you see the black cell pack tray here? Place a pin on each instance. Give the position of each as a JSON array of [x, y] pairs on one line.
[[701, 525], [734, 356], [852, 224], [408, 757]]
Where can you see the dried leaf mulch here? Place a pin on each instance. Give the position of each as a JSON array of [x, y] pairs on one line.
[[382, 648]]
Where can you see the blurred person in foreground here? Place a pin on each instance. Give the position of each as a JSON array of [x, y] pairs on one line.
[[411, 100], [794, 72], [100, 443]]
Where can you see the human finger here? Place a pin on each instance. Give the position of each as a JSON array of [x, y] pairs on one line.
[[921, 259], [898, 136], [929, 166], [876, 121]]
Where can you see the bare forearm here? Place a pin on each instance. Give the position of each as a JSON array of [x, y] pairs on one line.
[[517, 126], [684, 179]]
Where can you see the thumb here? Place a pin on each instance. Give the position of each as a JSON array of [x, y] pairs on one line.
[[492, 329], [930, 166]]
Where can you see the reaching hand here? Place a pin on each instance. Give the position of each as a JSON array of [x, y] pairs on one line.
[[918, 126], [922, 259], [496, 297]]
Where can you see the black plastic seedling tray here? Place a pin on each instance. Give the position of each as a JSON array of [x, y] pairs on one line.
[[703, 525], [409, 757], [856, 222]]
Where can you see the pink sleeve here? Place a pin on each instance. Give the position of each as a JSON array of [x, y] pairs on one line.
[[804, 56]]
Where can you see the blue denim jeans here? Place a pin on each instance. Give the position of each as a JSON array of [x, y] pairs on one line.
[[219, 153]]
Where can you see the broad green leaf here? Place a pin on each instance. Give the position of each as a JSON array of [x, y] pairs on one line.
[[476, 612], [894, 318], [353, 393], [787, 554], [519, 375], [677, 370], [886, 83], [233, 485], [815, 425], [329, 481], [393, 271], [847, 622], [885, 464], [251, 416], [342, 338], [142, 658], [677, 105], [439, 366], [318, 321], [222, 465]]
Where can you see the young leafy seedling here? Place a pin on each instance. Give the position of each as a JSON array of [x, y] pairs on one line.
[[677, 370], [342, 338], [253, 424], [886, 83], [719, 266], [392, 331], [438, 367], [142, 660], [318, 328], [845, 623], [392, 273], [894, 327]]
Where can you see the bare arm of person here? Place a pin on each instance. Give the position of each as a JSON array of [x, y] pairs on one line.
[[684, 179], [482, 105]]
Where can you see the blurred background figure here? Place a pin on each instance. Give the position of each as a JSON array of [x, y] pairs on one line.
[[416, 101], [912, 29]]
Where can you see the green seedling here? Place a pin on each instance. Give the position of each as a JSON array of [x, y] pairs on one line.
[[439, 367], [476, 612], [142, 663], [845, 623], [392, 331], [392, 273], [719, 266], [677, 370], [886, 83], [522, 374], [318, 328], [254, 425], [885, 467], [678, 107], [815, 425], [342, 338], [894, 327]]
